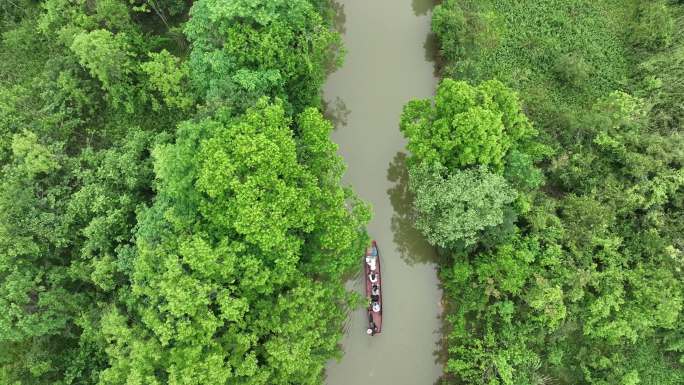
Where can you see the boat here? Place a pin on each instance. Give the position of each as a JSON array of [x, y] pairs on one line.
[[373, 289]]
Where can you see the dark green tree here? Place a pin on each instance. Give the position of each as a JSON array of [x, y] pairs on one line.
[[248, 48]]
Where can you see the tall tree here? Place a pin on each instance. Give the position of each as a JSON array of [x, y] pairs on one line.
[[239, 262], [466, 125], [459, 207], [248, 48]]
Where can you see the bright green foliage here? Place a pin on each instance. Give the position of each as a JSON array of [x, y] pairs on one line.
[[74, 165], [169, 77], [459, 207], [473, 155], [572, 70], [66, 229], [587, 287], [465, 30], [104, 55], [491, 343], [466, 125], [243, 49], [655, 26], [216, 278], [539, 47], [662, 69], [228, 269], [36, 306]]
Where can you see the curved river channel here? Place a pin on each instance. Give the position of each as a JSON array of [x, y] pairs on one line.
[[388, 63]]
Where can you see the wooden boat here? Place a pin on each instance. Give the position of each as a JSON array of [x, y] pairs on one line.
[[373, 289]]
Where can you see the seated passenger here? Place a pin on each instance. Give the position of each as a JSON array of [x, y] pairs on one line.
[[376, 307], [372, 262], [373, 277], [372, 329]]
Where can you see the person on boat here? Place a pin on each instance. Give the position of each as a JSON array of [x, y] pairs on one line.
[[372, 262], [371, 328], [375, 289], [375, 298], [373, 277], [376, 307]]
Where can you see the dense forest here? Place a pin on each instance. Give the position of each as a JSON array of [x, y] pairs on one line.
[[172, 212], [548, 172], [170, 201]]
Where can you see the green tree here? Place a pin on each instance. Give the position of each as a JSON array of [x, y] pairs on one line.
[[466, 125], [654, 27], [248, 220], [169, 78], [465, 31], [472, 156], [458, 207], [223, 286], [248, 48]]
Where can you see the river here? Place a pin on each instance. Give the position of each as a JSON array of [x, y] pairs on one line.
[[388, 63]]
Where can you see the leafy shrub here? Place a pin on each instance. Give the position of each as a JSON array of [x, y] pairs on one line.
[[138, 249], [573, 293], [662, 85], [463, 29], [572, 69], [245, 49], [654, 27]]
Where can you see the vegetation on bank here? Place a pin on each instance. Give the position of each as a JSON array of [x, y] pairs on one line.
[[564, 246], [170, 200]]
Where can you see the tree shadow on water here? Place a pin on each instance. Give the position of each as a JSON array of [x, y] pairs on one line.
[[410, 243], [422, 7], [414, 249], [441, 352], [336, 111], [339, 17], [432, 54]]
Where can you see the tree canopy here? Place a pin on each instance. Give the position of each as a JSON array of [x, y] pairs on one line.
[[583, 284], [171, 209], [220, 283], [247, 48], [472, 155], [458, 207], [466, 125]]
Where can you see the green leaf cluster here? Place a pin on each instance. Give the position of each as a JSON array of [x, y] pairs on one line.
[[472, 154], [466, 125], [458, 207], [244, 49]]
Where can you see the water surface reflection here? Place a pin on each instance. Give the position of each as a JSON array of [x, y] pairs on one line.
[[339, 16], [337, 112], [422, 7], [410, 243], [386, 66]]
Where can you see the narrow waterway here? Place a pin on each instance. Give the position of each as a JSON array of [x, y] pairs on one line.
[[389, 62]]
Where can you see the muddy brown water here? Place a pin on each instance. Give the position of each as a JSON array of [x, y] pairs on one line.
[[388, 62]]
